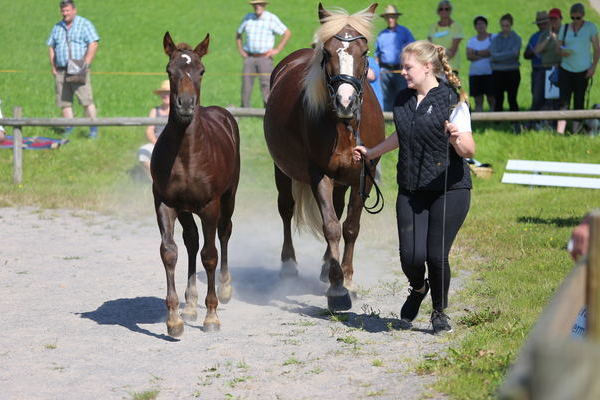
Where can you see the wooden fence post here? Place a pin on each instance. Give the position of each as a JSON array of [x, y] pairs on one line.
[[17, 148], [593, 279]]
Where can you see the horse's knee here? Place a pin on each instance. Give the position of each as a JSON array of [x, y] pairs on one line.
[[208, 255], [332, 231], [168, 253]]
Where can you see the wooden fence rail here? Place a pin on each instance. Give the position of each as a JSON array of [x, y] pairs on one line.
[[18, 122], [260, 112]]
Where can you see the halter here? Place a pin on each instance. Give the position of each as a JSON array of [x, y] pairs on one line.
[[334, 82]]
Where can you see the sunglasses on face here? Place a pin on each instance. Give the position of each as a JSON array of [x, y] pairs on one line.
[[576, 18], [444, 9]]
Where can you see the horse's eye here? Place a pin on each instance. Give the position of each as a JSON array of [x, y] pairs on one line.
[[201, 72], [366, 53]]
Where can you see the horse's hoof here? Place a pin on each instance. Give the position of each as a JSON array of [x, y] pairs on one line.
[[175, 329], [189, 314], [288, 270], [339, 303], [211, 327], [324, 277], [224, 293]]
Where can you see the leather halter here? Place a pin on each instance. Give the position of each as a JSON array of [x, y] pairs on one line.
[[334, 82]]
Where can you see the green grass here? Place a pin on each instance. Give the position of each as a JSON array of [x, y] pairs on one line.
[[514, 238]]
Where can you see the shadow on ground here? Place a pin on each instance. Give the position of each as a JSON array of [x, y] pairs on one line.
[[129, 313]]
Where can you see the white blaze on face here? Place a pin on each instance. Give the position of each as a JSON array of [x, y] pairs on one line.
[[345, 90], [187, 58]]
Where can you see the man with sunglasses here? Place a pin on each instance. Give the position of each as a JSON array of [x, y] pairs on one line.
[[577, 65]]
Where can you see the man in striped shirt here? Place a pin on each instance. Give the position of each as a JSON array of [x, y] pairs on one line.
[[78, 34], [259, 48]]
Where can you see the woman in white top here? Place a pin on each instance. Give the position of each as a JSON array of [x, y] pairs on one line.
[[433, 134], [480, 71]]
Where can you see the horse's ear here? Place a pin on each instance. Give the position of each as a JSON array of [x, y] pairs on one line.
[[168, 44], [323, 13], [372, 8], [202, 48]]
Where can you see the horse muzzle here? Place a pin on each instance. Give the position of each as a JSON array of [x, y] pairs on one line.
[[185, 105]]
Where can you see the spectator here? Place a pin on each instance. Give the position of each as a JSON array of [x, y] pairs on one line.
[[504, 51], [388, 48], [258, 49], [426, 190], [548, 48], [374, 77], [577, 65], [480, 71], [447, 33], [74, 37], [538, 71], [154, 131]]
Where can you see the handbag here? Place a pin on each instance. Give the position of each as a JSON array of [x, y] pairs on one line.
[[76, 69], [551, 90]]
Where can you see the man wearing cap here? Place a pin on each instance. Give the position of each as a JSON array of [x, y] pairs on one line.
[[538, 71], [388, 49], [73, 37], [258, 49]]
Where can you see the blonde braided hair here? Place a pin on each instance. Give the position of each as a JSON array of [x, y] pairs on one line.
[[427, 52]]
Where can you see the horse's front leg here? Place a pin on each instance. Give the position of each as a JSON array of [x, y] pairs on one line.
[[339, 194], [190, 239], [350, 231], [209, 217], [338, 298], [168, 253]]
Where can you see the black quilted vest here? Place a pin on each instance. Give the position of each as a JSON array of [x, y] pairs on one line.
[[423, 142]]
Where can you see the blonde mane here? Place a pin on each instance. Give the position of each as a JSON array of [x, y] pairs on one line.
[[315, 89]]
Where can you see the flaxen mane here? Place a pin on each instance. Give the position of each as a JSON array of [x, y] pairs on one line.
[[315, 90]]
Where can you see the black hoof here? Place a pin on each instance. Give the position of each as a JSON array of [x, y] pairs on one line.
[[339, 303]]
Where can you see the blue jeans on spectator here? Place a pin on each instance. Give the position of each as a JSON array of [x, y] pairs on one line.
[[391, 84]]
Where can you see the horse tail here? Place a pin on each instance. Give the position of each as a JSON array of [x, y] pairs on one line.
[[306, 211]]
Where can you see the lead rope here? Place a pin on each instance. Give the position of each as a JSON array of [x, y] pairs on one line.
[[376, 207]]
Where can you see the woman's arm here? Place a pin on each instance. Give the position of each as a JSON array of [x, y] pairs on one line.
[[462, 142], [389, 144]]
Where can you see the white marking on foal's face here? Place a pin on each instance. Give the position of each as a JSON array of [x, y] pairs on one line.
[[345, 90], [188, 59]]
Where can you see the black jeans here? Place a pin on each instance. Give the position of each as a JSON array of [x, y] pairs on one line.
[[572, 83], [420, 217], [506, 81], [538, 88]]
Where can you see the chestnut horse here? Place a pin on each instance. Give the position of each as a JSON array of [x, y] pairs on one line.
[[195, 170], [320, 107]]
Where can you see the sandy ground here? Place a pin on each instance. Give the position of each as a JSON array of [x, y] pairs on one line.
[[82, 305]]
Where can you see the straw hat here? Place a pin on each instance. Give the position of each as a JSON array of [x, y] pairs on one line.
[[391, 11], [541, 17], [258, 2], [164, 88]]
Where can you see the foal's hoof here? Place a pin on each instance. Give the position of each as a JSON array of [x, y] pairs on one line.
[[224, 293], [339, 303], [211, 327], [288, 270], [175, 329], [189, 314]]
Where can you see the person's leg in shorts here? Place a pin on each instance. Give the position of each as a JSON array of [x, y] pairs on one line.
[[86, 99], [565, 86], [476, 91], [64, 97]]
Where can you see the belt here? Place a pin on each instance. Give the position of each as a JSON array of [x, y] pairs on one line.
[[256, 54], [389, 66]]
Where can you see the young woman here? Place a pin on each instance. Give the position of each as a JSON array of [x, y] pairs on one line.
[[433, 132], [153, 131], [480, 71]]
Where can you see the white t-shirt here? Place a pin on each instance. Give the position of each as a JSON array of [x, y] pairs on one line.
[[461, 117], [483, 66]]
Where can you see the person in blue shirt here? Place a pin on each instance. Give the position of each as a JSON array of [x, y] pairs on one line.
[[374, 77], [389, 46], [74, 37], [538, 71]]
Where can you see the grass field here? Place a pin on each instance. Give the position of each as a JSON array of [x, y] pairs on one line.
[[513, 240]]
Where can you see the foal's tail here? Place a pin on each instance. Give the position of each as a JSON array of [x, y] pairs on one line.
[[306, 210]]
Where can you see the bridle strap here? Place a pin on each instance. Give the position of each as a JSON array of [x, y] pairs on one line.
[[350, 39]]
